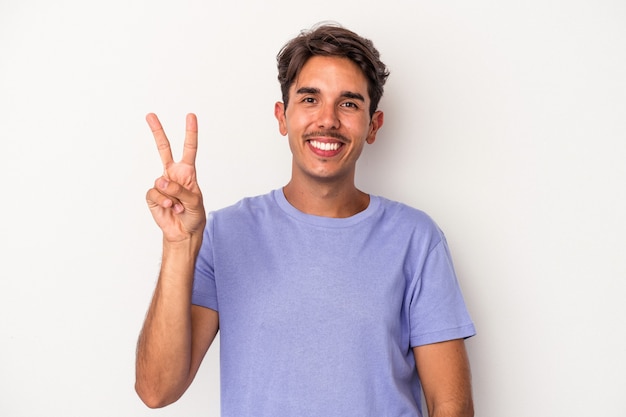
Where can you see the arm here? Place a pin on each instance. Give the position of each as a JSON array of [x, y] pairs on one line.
[[175, 334], [444, 371]]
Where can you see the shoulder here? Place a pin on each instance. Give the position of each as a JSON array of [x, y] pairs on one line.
[[246, 206], [245, 212], [403, 213], [409, 224]]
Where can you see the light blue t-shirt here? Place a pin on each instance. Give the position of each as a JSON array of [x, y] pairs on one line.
[[318, 316]]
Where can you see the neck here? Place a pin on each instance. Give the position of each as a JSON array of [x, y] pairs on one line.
[[327, 200]]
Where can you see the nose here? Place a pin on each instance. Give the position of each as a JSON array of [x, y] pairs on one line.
[[328, 117]]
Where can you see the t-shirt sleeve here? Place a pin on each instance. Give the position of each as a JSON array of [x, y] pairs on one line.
[[437, 310], [204, 291]]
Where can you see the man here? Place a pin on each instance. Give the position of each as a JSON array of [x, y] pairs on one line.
[[329, 301]]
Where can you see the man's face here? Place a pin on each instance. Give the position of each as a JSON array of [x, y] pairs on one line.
[[327, 119]]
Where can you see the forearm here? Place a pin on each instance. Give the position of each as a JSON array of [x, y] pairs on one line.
[[458, 408], [164, 347], [458, 400], [445, 374]]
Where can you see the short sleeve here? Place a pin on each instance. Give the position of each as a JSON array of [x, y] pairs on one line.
[[204, 291], [437, 310]]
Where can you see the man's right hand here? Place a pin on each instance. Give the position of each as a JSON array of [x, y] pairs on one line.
[[175, 334], [175, 200]]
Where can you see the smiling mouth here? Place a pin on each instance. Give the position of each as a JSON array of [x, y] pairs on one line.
[[325, 146]]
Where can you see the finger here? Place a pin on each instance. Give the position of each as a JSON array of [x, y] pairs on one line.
[[191, 140], [177, 193], [163, 145], [156, 198]]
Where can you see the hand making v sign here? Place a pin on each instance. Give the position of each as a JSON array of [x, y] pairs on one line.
[[175, 200]]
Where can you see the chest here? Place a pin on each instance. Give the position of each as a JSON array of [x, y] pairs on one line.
[[326, 281]]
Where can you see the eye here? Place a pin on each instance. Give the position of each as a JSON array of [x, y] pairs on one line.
[[309, 100], [350, 104]]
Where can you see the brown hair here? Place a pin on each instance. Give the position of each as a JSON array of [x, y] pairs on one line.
[[332, 40]]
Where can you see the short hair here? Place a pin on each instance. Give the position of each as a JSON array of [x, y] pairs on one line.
[[332, 40]]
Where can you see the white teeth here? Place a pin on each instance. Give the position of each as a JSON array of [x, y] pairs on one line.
[[325, 146]]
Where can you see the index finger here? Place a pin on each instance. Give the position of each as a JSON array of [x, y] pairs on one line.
[[191, 140], [163, 145]]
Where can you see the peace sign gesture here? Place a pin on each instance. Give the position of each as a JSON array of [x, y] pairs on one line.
[[175, 201]]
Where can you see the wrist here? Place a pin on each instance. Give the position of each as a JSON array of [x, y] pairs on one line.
[[189, 245], [178, 262]]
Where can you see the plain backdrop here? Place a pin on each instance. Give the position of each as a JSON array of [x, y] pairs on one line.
[[505, 121]]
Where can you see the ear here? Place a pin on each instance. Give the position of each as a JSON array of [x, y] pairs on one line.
[[378, 118], [279, 113]]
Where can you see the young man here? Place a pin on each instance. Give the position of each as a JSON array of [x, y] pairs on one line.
[[329, 301]]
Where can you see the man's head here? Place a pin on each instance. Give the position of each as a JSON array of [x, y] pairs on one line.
[[333, 41]]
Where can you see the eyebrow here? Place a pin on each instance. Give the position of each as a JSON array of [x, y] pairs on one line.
[[308, 90], [353, 96], [344, 94]]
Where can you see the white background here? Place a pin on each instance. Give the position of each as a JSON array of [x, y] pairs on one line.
[[505, 121]]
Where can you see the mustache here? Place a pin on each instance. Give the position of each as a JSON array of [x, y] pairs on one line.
[[326, 133]]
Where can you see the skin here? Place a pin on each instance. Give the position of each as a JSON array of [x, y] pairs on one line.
[[327, 124], [328, 103], [444, 371], [175, 335]]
